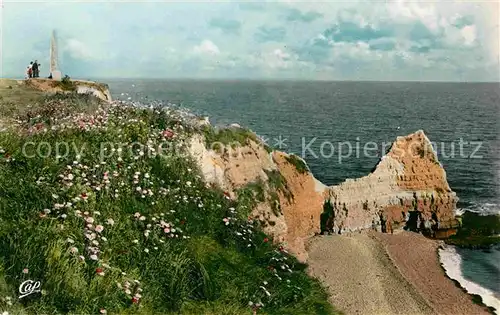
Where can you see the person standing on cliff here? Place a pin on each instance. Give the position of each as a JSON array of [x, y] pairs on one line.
[[30, 70], [36, 70], [28, 73]]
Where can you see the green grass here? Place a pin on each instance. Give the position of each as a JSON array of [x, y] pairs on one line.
[[215, 137], [15, 97], [277, 183], [299, 164], [230, 137], [175, 246], [249, 195], [65, 84]]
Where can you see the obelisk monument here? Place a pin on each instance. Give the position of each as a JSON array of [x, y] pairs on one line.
[[54, 71]]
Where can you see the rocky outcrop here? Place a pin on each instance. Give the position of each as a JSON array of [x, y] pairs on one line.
[[302, 213], [288, 213], [232, 167], [99, 90], [408, 188]]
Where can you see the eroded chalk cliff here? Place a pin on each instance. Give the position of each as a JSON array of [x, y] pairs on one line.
[[408, 188]]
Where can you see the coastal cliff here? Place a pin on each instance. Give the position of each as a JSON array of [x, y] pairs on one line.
[[99, 90], [407, 189], [135, 228], [218, 207]]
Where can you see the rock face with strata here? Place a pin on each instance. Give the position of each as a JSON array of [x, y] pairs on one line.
[[407, 187], [300, 200], [302, 213]]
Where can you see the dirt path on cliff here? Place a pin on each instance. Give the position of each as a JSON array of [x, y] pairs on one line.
[[361, 277]]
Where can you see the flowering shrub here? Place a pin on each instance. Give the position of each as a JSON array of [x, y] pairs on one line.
[[127, 228]]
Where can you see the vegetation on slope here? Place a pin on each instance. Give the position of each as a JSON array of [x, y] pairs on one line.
[[299, 164], [217, 138], [227, 136], [102, 205], [65, 84]]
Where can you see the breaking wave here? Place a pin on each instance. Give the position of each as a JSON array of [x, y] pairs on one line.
[[452, 262], [480, 208]]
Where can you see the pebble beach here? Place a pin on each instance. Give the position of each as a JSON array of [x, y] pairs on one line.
[[374, 273]]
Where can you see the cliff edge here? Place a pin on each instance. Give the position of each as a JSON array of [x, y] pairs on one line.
[[99, 90], [407, 189]]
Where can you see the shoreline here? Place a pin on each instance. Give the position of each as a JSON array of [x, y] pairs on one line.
[[361, 278], [417, 259], [376, 273], [449, 259]]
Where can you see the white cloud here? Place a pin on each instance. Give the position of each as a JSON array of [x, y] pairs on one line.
[[206, 47], [353, 51], [281, 54], [281, 59], [79, 50], [443, 36], [469, 34]]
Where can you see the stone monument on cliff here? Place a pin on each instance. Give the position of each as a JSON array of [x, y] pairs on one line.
[[54, 71]]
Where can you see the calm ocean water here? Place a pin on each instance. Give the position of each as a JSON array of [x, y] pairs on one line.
[[299, 113]]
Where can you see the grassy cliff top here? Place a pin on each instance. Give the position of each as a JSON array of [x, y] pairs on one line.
[[104, 206]]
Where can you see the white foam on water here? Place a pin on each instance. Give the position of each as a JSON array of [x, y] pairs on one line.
[[481, 208], [452, 262]]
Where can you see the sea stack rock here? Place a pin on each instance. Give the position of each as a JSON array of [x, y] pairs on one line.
[[408, 189]]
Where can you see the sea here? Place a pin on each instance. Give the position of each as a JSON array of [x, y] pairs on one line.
[[343, 128]]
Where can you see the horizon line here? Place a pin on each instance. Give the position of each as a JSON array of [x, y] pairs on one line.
[[92, 78]]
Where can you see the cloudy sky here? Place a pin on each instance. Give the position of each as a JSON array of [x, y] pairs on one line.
[[329, 40]]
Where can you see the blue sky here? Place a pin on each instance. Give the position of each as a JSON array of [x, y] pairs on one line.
[[328, 40]]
